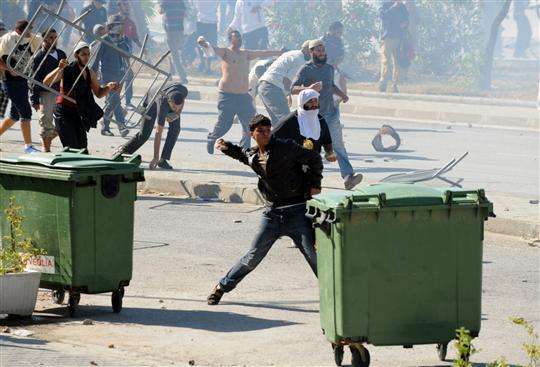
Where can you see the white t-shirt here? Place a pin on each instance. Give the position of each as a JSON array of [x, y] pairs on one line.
[[9, 40], [286, 66], [245, 19], [207, 11]]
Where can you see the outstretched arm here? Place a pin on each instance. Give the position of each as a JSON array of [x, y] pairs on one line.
[[233, 151], [220, 51], [261, 54]]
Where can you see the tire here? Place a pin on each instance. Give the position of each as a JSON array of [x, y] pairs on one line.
[[58, 296], [116, 300], [360, 356], [442, 349], [73, 302], [338, 354]]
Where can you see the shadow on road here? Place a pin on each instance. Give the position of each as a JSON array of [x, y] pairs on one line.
[[393, 156], [215, 321]]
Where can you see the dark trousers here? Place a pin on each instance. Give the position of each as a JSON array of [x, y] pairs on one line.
[[230, 105], [69, 127], [257, 39], [146, 127], [291, 222]]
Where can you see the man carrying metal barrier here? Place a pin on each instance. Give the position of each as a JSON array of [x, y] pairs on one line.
[[74, 119], [166, 107], [46, 60], [21, 45]]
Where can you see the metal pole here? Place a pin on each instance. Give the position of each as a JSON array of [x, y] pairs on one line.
[[55, 42]]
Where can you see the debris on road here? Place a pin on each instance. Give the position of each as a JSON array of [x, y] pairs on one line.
[[191, 362], [237, 221], [6, 330], [160, 301], [22, 332], [388, 131], [93, 363], [111, 346], [88, 322], [533, 201]]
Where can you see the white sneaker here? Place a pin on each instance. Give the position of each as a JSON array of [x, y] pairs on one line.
[[352, 180]]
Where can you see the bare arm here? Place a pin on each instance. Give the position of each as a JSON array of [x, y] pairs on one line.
[[339, 93], [157, 146], [101, 91], [260, 54], [220, 51], [55, 75]]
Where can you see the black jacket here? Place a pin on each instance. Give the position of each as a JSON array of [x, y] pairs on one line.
[[291, 171], [48, 66]]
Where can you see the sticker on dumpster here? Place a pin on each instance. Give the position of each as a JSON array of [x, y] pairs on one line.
[[41, 263]]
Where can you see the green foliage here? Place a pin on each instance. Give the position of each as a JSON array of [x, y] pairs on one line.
[[19, 248], [465, 348], [450, 39], [532, 347], [293, 22]]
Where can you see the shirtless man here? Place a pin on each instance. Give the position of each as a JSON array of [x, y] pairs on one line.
[[234, 98]]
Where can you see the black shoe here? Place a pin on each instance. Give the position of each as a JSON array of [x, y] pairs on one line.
[[395, 89], [107, 132], [164, 164], [210, 146], [214, 297], [382, 87]]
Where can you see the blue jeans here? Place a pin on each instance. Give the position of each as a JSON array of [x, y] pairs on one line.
[[229, 105], [113, 101], [274, 100], [276, 223], [336, 132]]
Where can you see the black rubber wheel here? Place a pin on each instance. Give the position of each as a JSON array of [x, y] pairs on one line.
[[442, 349], [73, 302], [116, 300], [58, 296], [338, 354], [360, 356]]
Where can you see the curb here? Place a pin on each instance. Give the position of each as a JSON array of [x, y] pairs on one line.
[[249, 194], [418, 115]]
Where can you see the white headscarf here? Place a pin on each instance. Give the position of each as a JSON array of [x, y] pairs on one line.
[[310, 127]]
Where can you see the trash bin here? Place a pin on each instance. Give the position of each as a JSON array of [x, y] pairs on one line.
[[398, 264], [79, 209]]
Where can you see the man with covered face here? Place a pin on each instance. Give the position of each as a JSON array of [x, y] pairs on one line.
[[319, 76], [112, 66], [234, 98]]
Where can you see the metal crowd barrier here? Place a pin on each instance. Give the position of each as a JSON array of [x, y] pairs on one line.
[[23, 65]]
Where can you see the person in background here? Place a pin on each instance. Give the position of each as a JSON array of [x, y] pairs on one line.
[[524, 32], [74, 120], [226, 13], [17, 86], [3, 94], [207, 28], [173, 13], [275, 84], [166, 107], [293, 177], [394, 22], [250, 22], [42, 100], [97, 15], [112, 66], [319, 75], [234, 98]]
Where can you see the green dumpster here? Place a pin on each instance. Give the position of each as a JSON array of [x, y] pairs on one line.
[[398, 264], [79, 209]]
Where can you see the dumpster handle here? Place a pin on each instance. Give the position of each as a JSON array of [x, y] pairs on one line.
[[451, 195], [78, 151], [381, 198], [129, 158], [309, 214], [136, 178], [90, 183]]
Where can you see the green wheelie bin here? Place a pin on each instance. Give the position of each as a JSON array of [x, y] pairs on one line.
[[80, 209], [398, 264]]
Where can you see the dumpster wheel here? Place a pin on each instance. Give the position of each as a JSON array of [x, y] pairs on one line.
[[116, 300], [442, 349], [58, 296], [338, 354], [360, 355], [73, 302]]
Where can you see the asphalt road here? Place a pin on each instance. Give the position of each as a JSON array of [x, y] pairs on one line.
[[502, 161], [183, 247]]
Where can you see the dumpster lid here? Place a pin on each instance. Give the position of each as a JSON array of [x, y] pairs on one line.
[[396, 195], [74, 160]]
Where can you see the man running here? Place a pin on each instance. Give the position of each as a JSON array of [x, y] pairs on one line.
[[167, 107], [288, 176], [234, 98]]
